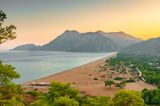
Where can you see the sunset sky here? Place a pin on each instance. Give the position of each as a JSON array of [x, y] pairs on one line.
[[40, 21]]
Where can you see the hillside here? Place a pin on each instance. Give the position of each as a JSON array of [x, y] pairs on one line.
[[24, 47], [99, 41], [150, 47], [121, 38], [81, 42]]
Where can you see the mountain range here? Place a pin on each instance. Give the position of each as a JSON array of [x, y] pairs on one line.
[[72, 40]]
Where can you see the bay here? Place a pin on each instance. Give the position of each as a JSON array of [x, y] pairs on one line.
[[36, 64]]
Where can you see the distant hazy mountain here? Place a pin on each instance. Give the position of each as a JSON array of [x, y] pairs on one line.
[[121, 38], [25, 47], [99, 41], [149, 47]]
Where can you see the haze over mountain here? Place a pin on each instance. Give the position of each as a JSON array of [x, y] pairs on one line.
[[99, 41], [150, 47]]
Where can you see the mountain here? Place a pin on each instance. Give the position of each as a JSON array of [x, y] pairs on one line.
[[81, 42], [24, 47], [121, 38], [99, 41], [150, 47]]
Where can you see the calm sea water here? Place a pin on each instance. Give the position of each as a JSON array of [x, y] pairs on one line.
[[37, 64]]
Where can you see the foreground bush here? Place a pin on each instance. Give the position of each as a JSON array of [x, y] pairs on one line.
[[97, 101], [128, 98], [151, 97], [61, 94]]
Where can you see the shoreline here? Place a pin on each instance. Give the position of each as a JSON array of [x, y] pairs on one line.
[[83, 78], [68, 70]]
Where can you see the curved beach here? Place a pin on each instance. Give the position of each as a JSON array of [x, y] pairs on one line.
[[82, 77]]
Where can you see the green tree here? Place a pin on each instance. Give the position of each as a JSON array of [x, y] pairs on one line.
[[14, 102], [59, 89], [109, 82], [9, 92], [128, 98], [7, 73], [58, 92], [97, 101], [7, 32], [39, 102], [151, 96], [121, 84], [65, 101]]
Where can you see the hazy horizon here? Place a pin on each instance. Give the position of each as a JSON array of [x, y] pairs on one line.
[[40, 21]]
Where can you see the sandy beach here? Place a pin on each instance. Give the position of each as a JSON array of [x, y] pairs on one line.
[[82, 77]]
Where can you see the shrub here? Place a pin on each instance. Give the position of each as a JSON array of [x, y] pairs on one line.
[[151, 96], [33, 93], [95, 78], [97, 101], [128, 98], [118, 78], [130, 80]]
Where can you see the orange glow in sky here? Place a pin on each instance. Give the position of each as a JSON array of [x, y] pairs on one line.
[[41, 22]]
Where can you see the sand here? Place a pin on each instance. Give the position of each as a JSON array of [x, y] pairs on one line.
[[82, 77]]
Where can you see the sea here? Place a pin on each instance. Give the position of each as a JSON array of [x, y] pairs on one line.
[[32, 65]]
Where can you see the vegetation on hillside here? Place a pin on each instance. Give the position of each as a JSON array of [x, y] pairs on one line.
[[151, 97], [149, 66]]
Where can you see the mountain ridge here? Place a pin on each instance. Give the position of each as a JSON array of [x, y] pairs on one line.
[[72, 40], [150, 47], [24, 47]]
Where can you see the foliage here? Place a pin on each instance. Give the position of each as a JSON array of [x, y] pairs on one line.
[[97, 101], [7, 73], [7, 32], [33, 93], [39, 102], [151, 96], [146, 64], [121, 84], [58, 89], [128, 98], [10, 94], [118, 78], [57, 92], [109, 82], [14, 101], [8, 91], [65, 101], [61, 94]]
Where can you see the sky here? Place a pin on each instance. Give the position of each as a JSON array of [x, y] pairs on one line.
[[40, 21]]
